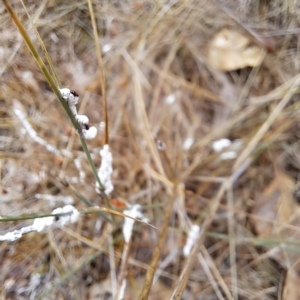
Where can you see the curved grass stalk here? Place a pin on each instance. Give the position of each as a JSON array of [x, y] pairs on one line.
[[54, 87]]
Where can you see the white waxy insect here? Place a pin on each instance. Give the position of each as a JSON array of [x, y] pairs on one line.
[[89, 133], [82, 119], [72, 98]]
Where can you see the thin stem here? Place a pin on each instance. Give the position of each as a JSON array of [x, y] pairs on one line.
[[157, 250], [184, 276], [30, 217], [90, 204], [101, 71]]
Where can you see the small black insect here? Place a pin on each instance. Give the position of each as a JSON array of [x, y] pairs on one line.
[[74, 93]]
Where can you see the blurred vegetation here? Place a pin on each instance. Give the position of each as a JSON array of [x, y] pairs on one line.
[[179, 75]]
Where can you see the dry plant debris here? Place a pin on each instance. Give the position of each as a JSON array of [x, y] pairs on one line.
[[277, 204], [229, 50], [181, 77], [291, 289]]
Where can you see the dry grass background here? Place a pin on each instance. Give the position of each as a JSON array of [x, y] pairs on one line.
[[247, 207]]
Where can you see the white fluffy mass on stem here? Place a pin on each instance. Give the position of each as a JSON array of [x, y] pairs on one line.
[[122, 290], [219, 145], [232, 148], [39, 224], [71, 98], [33, 134], [105, 170], [54, 199], [134, 212], [191, 239]]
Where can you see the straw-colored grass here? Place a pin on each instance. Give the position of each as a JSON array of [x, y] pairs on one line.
[[148, 60]]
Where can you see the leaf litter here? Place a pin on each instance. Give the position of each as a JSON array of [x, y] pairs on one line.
[[226, 84]]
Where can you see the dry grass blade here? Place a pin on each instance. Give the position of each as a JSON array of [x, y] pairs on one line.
[[232, 245], [142, 115], [199, 91], [54, 74], [158, 248], [210, 276], [101, 71], [216, 273], [41, 64], [108, 210], [184, 276], [263, 129]]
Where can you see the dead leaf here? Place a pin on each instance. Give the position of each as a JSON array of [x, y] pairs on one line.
[[273, 213], [275, 204], [117, 203], [229, 50]]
